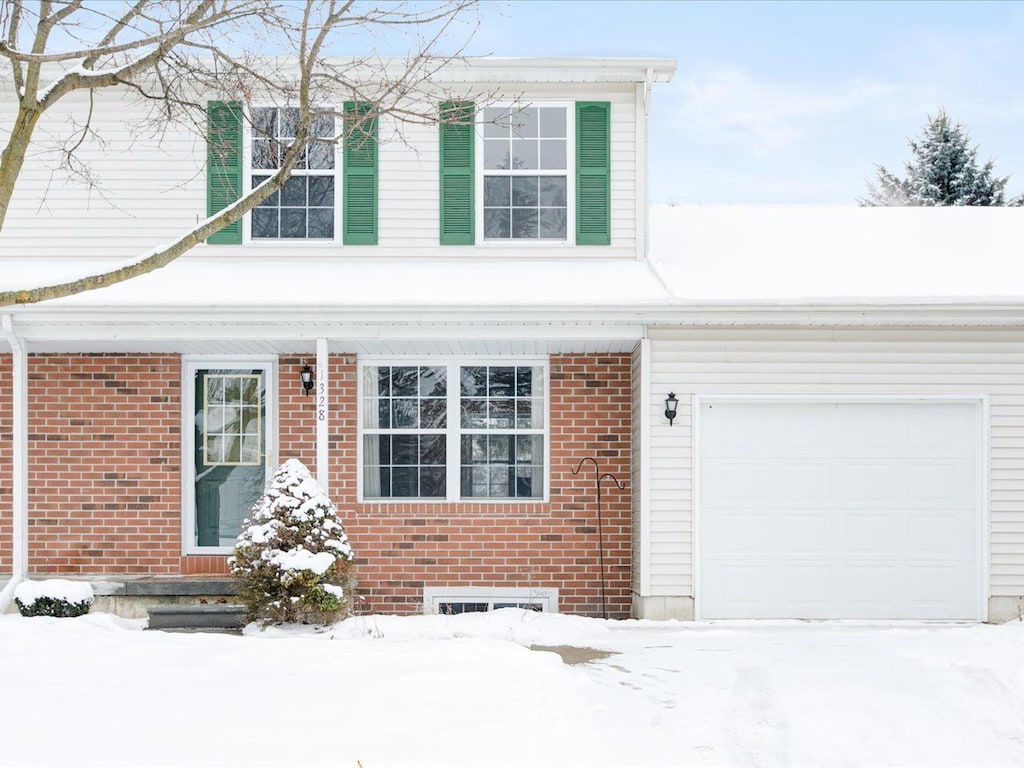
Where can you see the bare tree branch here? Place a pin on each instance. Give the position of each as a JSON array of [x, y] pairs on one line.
[[175, 55], [13, 18]]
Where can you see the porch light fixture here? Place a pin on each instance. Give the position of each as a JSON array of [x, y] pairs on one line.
[[671, 406], [306, 374]]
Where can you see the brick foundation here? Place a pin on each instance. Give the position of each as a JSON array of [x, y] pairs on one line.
[[105, 484]]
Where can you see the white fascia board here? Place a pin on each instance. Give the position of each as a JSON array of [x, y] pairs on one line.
[[819, 315], [143, 328], [568, 69], [307, 319], [498, 322], [539, 69], [505, 70]]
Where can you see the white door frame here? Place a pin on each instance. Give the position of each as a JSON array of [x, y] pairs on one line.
[[982, 435], [189, 365]]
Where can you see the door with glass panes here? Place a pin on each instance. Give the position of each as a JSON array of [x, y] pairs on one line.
[[229, 449]]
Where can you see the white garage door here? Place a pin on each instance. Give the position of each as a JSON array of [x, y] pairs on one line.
[[839, 510]]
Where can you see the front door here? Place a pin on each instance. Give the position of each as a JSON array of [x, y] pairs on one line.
[[229, 449]]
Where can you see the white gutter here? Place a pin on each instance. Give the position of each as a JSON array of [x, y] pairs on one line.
[[19, 464]]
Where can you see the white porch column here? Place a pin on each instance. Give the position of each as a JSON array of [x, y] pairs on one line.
[[644, 436], [322, 413], [19, 463]]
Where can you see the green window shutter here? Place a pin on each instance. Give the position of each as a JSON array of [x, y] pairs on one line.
[[360, 165], [223, 165], [593, 173], [457, 182]]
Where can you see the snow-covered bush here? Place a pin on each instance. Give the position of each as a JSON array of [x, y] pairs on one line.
[[293, 562], [53, 597]]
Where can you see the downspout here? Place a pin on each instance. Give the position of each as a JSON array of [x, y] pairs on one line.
[[643, 194], [19, 464]]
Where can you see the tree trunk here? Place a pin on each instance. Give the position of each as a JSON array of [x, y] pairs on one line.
[[13, 157]]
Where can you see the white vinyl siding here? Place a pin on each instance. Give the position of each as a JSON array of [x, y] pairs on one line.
[[926, 362], [148, 190], [151, 189]]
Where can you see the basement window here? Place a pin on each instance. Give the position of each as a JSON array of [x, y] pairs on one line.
[[450, 601]]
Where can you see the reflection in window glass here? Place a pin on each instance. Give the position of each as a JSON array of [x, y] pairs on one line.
[[232, 408], [447, 431], [404, 443], [304, 207], [502, 441], [525, 173]]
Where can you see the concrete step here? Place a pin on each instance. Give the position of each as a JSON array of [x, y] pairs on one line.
[[164, 586], [206, 616]]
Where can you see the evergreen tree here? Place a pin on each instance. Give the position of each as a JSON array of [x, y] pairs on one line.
[[944, 171], [293, 561]]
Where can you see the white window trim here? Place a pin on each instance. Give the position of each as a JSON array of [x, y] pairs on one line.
[[453, 430], [546, 597], [247, 174], [189, 365], [570, 180]]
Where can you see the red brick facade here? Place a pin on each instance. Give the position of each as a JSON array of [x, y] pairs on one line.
[[104, 464], [105, 484]]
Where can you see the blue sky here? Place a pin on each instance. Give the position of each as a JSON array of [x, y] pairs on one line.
[[793, 102]]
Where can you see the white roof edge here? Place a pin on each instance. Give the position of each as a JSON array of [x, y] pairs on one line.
[[822, 313], [660, 70], [527, 69]]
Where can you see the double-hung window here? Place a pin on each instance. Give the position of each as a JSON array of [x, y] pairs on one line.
[[540, 173], [451, 431], [304, 208], [526, 173], [331, 195]]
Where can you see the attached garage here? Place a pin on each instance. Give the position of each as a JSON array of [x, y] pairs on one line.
[[849, 436], [842, 509]]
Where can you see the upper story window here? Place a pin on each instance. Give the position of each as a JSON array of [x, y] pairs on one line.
[[537, 174], [525, 173], [331, 195], [304, 208]]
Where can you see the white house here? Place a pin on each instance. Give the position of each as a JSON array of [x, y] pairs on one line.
[[849, 383]]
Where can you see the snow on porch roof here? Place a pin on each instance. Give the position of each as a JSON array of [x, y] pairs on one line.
[[709, 256], [839, 255], [199, 282]]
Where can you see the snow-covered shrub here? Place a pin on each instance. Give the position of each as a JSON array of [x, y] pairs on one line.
[[293, 562], [53, 597]]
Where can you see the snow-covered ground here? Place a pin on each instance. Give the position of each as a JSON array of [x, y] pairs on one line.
[[466, 691]]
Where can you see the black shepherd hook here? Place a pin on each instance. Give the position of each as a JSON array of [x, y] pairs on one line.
[[600, 533]]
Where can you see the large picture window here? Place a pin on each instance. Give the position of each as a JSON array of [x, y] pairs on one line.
[[453, 431], [304, 207], [525, 173]]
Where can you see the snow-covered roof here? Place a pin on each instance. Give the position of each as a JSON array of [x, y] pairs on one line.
[[838, 255], [707, 265], [325, 284]]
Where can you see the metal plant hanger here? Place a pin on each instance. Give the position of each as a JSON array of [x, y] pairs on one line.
[[599, 476]]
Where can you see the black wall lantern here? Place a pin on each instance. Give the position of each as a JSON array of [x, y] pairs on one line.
[[306, 374], [671, 406]]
